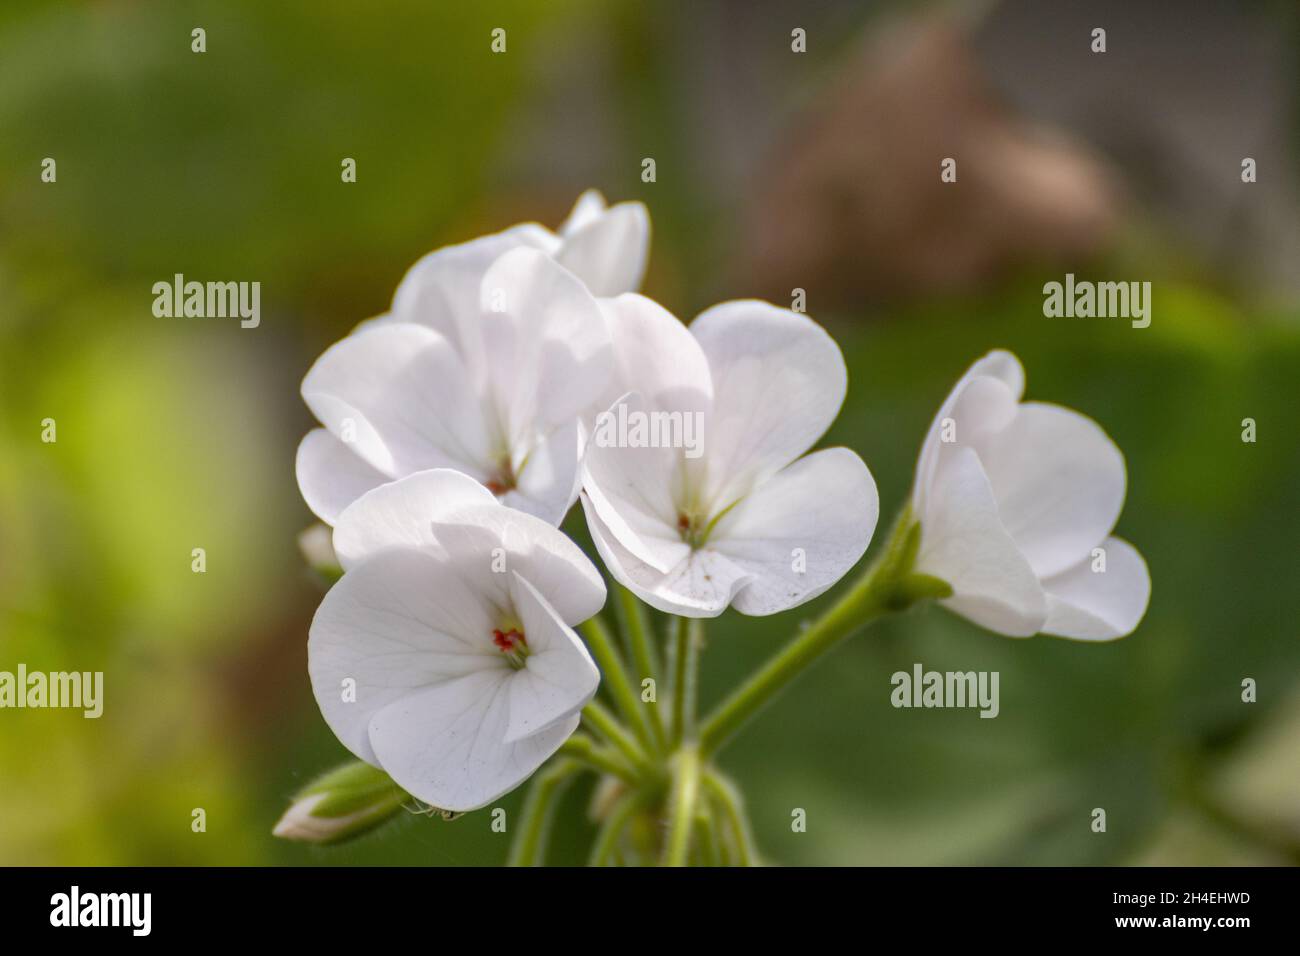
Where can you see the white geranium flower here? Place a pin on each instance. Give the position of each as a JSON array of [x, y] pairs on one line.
[[739, 518], [1014, 499], [445, 655], [604, 246], [496, 388]]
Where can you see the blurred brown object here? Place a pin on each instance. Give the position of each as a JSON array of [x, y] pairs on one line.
[[852, 207]]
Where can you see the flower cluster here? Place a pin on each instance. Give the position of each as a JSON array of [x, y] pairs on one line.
[[521, 372], [492, 353]]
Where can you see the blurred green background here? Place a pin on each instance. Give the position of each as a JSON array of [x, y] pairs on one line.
[[771, 165]]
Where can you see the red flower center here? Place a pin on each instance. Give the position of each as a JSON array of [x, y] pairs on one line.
[[508, 640]]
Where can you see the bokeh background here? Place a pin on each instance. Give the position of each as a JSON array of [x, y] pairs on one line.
[[775, 170]]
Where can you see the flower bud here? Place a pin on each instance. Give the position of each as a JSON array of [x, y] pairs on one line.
[[344, 803]]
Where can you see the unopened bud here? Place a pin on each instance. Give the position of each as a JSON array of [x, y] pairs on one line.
[[344, 803]]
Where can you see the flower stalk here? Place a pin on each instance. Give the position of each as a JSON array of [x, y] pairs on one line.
[[529, 847], [602, 759], [889, 584], [607, 726], [615, 673], [730, 807], [685, 793], [606, 848], [644, 657], [685, 655]]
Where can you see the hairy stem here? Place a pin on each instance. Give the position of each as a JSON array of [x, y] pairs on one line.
[[604, 759], [685, 653], [529, 848], [681, 808], [728, 800], [605, 849], [615, 674], [706, 842], [603, 723], [643, 656]]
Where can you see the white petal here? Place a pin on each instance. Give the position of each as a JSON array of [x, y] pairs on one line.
[[608, 252], [817, 514], [1005, 367], [656, 356], [1059, 481], [547, 346], [700, 584], [984, 401], [330, 476], [446, 744], [590, 206], [559, 676], [403, 513], [635, 488], [778, 382], [406, 395], [963, 542], [441, 290], [401, 621], [386, 318], [547, 479], [543, 554], [1099, 606]]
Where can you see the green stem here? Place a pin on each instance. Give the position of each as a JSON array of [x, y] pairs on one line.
[[606, 845], [603, 723], [643, 655], [722, 848], [686, 791], [685, 654], [705, 835], [729, 801], [887, 585], [748, 699], [529, 848], [583, 748], [615, 674]]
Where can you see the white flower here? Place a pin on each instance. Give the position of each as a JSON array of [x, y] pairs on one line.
[[742, 519], [1016, 509], [605, 247], [496, 388], [445, 655]]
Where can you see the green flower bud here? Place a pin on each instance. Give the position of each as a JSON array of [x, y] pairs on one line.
[[344, 803]]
